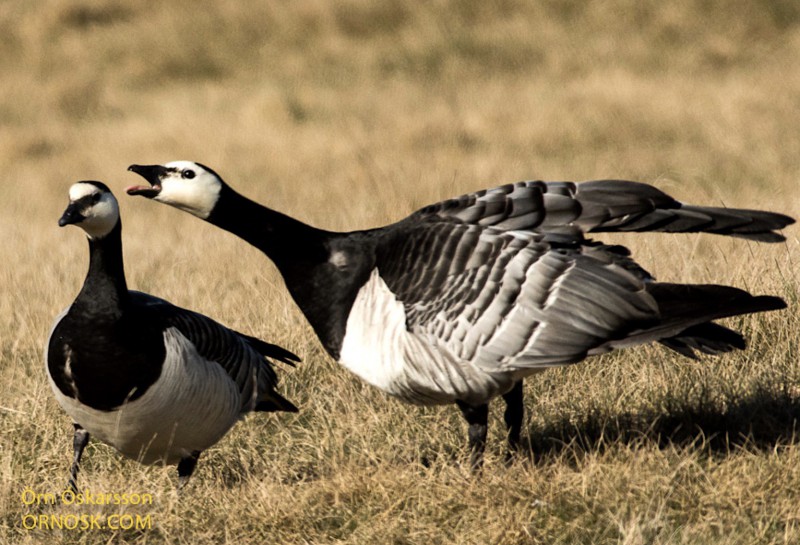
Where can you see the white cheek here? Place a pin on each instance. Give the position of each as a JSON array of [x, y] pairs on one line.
[[102, 219], [197, 197]]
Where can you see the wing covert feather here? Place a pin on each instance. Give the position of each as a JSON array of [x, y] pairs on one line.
[[252, 373], [505, 299]]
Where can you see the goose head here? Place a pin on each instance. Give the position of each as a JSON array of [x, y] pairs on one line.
[[92, 207], [186, 185]]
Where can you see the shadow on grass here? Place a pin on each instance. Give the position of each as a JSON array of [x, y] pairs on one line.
[[760, 421]]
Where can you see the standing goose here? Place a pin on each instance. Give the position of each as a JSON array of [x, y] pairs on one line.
[[155, 381], [461, 300]]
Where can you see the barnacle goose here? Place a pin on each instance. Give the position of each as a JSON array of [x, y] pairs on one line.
[[462, 299], [157, 382]]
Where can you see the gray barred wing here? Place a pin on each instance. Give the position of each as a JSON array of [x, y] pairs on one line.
[[245, 365], [567, 210], [509, 300]]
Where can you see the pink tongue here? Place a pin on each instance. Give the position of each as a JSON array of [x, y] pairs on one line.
[[132, 188]]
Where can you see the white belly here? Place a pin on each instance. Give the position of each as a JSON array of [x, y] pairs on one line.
[[414, 367], [189, 408]]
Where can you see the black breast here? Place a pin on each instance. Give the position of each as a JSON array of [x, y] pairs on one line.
[[325, 289], [105, 363]]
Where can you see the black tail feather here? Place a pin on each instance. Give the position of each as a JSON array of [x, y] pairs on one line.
[[688, 302], [272, 350], [275, 403], [708, 338], [686, 312]]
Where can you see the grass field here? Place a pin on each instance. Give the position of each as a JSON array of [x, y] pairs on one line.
[[351, 115]]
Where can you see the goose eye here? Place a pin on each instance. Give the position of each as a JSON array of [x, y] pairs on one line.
[[96, 198], [188, 174]]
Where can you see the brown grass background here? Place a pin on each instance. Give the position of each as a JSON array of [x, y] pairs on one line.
[[353, 114]]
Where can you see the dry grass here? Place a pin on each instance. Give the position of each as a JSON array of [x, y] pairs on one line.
[[350, 115]]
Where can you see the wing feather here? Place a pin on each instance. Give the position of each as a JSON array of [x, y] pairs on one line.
[[574, 209], [502, 299], [242, 360]]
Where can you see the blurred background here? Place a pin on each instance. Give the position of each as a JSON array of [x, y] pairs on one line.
[[352, 114], [304, 98]]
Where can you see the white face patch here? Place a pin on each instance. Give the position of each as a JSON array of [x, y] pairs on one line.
[[101, 216], [80, 190], [189, 187]]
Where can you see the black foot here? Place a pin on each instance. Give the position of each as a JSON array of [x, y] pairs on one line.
[[477, 417], [79, 440], [186, 468], [515, 411]]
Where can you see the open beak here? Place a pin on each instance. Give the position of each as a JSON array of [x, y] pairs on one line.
[[71, 215], [151, 173]]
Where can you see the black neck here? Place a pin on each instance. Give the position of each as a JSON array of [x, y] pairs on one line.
[[105, 290], [323, 291], [287, 241]]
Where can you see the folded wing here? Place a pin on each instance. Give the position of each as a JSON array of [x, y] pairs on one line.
[[243, 359]]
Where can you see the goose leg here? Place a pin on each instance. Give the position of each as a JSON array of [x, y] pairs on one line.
[[477, 417], [79, 440], [186, 468], [515, 411]]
